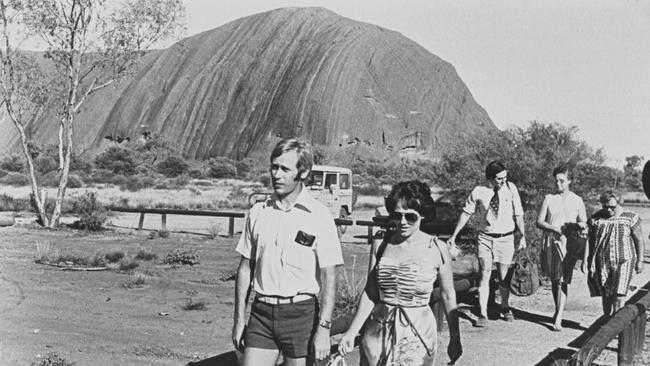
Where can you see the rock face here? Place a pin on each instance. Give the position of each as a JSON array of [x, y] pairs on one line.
[[235, 90]]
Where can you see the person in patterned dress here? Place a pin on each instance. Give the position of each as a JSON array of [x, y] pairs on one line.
[[399, 327], [563, 220], [615, 252]]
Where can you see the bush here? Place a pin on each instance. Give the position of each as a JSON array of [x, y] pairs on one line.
[[118, 160], [12, 163], [172, 166], [128, 264], [45, 164], [16, 179], [180, 256], [191, 305], [195, 173], [114, 257], [221, 168], [137, 182], [92, 214], [145, 255], [51, 179], [244, 166], [135, 281], [52, 359]]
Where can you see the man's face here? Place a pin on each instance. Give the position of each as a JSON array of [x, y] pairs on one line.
[[284, 174], [500, 179]]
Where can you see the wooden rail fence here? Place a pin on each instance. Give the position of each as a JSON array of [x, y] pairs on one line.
[[629, 324], [163, 212]]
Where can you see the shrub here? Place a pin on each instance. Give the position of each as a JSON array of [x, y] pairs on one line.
[[195, 173], [265, 179], [228, 275], [145, 255], [92, 214], [8, 203], [74, 181], [52, 359], [348, 291], [128, 264], [191, 305], [163, 234], [51, 179], [16, 179], [244, 166], [3, 173], [45, 164], [118, 160], [136, 280], [172, 166], [114, 257], [137, 182], [12, 163], [180, 256], [221, 168]]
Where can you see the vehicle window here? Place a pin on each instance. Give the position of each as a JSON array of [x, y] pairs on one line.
[[330, 179], [315, 179], [344, 181]]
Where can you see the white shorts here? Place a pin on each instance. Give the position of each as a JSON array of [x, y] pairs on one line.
[[499, 250]]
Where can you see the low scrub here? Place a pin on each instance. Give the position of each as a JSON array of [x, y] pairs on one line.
[[194, 305], [128, 264], [92, 214], [15, 179], [180, 256], [114, 257], [52, 359], [145, 255], [8, 203], [136, 280]]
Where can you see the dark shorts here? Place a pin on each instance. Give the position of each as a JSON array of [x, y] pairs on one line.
[[286, 327]]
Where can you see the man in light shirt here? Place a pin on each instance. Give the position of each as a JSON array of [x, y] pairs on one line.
[[289, 249], [499, 207]]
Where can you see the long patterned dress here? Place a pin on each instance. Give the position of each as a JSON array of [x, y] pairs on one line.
[[401, 329], [612, 253], [559, 253]]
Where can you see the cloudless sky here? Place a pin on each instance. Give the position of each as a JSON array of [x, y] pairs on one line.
[[578, 62]]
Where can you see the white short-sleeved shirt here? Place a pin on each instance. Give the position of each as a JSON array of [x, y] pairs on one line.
[[282, 266], [509, 207]]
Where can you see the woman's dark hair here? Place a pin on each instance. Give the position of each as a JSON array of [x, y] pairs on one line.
[[413, 194], [493, 168], [562, 169]]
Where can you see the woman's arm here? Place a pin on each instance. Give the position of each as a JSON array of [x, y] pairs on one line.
[[446, 278], [541, 219]]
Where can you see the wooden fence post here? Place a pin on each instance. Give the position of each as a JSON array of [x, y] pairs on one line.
[[641, 331], [141, 222], [231, 227], [369, 234], [626, 345], [163, 223]]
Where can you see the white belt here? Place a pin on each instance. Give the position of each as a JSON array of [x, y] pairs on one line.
[[278, 300]]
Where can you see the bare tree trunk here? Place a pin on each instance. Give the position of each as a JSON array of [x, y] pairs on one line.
[[40, 206], [63, 181]]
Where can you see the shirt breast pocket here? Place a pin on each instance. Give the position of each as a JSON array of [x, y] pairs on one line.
[[299, 256]]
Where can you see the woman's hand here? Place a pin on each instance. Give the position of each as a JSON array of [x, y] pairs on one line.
[[454, 349], [346, 343]]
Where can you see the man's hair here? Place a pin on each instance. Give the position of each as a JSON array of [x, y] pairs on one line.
[[608, 195], [562, 168], [414, 195], [493, 168], [302, 149]]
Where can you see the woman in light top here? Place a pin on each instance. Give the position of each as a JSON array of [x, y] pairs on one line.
[[400, 328], [563, 220]]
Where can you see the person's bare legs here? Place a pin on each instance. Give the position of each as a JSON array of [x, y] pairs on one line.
[[504, 288], [484, 286], [608, 304], [260, 357], [560, 292], [619, 302]]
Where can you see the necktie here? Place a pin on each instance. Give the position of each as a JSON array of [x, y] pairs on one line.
[[493, 209]]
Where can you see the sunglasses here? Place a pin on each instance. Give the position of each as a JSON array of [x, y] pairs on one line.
[[607, 207], [411, 217]]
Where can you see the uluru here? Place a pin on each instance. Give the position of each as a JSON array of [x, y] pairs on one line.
[[235, 90]]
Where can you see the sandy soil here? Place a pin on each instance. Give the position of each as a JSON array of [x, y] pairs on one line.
[[92, 318]]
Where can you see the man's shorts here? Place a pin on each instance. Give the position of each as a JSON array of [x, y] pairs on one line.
[[499, 250], [285, 327]]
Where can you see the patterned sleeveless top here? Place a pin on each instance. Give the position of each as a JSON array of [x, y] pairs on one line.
[[407, 283]]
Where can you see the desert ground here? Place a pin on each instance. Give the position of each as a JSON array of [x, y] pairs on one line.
[[108, 318]]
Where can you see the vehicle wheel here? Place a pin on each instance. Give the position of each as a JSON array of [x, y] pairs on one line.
[[343, 214]]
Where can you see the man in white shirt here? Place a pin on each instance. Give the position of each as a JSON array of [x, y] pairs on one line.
[[289, 248], [500, 211]]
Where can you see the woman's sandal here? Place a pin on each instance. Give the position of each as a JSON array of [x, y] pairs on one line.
[[556, 328]]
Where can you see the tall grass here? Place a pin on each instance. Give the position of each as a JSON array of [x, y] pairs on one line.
[[348, 291]]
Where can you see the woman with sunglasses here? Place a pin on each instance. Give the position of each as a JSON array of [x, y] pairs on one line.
[[399, 327], [563, 220], [615, 252]]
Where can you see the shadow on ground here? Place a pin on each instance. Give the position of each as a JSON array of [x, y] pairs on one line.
[[224, 359]]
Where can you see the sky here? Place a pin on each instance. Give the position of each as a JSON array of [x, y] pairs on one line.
[[583, 63]]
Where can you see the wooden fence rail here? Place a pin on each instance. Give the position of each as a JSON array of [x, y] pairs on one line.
[[628, 324], [168, 211]]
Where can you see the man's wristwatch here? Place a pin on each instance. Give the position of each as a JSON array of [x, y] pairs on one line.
[[325, 324]]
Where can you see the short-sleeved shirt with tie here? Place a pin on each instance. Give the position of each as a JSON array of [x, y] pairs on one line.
[[284, 266], [509, 206]]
